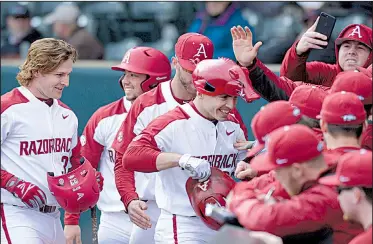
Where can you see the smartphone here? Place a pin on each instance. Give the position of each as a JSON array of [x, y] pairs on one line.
[[326, 24]]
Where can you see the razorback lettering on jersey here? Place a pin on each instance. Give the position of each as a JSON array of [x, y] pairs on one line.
[[225, 162], [44, 146]]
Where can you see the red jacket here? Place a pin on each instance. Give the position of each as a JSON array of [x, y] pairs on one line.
[[279, 218], [298, 69], [366, 138], [365, 237]]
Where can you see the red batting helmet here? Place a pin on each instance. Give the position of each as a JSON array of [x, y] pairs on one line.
[[213, 191], [77, 190], [148, 61], [215, 77]]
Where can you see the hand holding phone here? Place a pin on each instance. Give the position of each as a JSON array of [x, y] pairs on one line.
[[318, 35]]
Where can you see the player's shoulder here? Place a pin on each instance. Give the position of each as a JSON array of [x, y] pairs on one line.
[[148, 99], [115, 108], [162, 121], [12, 98]]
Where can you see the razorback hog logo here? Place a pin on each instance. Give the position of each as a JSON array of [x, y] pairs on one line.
[[197, 57], [356, 30], [44, 146]]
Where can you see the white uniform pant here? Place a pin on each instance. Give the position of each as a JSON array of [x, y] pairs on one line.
[[140, 236], [178, 229], [115, 227], [26, 226]]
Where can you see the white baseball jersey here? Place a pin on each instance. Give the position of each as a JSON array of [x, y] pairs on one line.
[[96, 141], [185, 131], [145, 109], [35, 139]]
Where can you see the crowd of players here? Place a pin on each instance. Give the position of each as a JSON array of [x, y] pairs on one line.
[[307, 177]]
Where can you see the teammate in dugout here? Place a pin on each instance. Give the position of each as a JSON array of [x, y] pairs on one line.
[[269, 85], [342, 121], [186, 142], [137, 189], [356, 49], [359, 83], [353, 48], [38, 136], [354, 181], [144, 68]]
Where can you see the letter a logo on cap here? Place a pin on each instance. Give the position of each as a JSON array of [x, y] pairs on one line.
[[356, 30], [126, 58], [201, 50]]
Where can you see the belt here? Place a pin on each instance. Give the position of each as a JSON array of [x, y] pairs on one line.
[[47, 209]]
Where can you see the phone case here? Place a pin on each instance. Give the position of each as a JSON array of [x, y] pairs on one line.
[[326, 24]]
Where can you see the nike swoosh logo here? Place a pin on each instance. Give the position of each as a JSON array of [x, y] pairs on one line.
[[65, 116], [229, 133]]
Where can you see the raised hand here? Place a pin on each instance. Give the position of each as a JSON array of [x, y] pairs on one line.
[[311, 39], [243, 48]]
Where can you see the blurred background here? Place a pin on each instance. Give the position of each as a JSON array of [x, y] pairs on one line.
[[103, 31]]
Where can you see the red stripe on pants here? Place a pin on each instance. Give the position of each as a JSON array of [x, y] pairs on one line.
[[3, 223], [174, 225]]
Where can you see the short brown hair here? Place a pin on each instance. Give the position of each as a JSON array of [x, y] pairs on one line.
[[45, 55]]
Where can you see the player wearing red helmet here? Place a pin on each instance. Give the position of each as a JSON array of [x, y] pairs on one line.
[[186, 142], [144, 68]]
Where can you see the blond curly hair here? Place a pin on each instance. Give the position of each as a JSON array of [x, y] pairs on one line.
[[44, 56]]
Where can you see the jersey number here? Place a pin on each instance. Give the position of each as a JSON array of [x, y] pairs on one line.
[[65, 161]]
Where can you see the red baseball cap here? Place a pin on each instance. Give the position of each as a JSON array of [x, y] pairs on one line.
[[308, 99], [191, 48], [366, 71], [353, 169], [342, 108], [356, 32], [270, 117], [356, 82], [288, 145]]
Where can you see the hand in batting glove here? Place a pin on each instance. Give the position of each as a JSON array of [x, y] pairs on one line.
[[29, 193], [100, 180], [199, 169]]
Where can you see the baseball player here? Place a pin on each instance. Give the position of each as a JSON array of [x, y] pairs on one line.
[[137, 189], [185, 142], [38, 135], [144, 68], [360, 84], [354, 181]]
